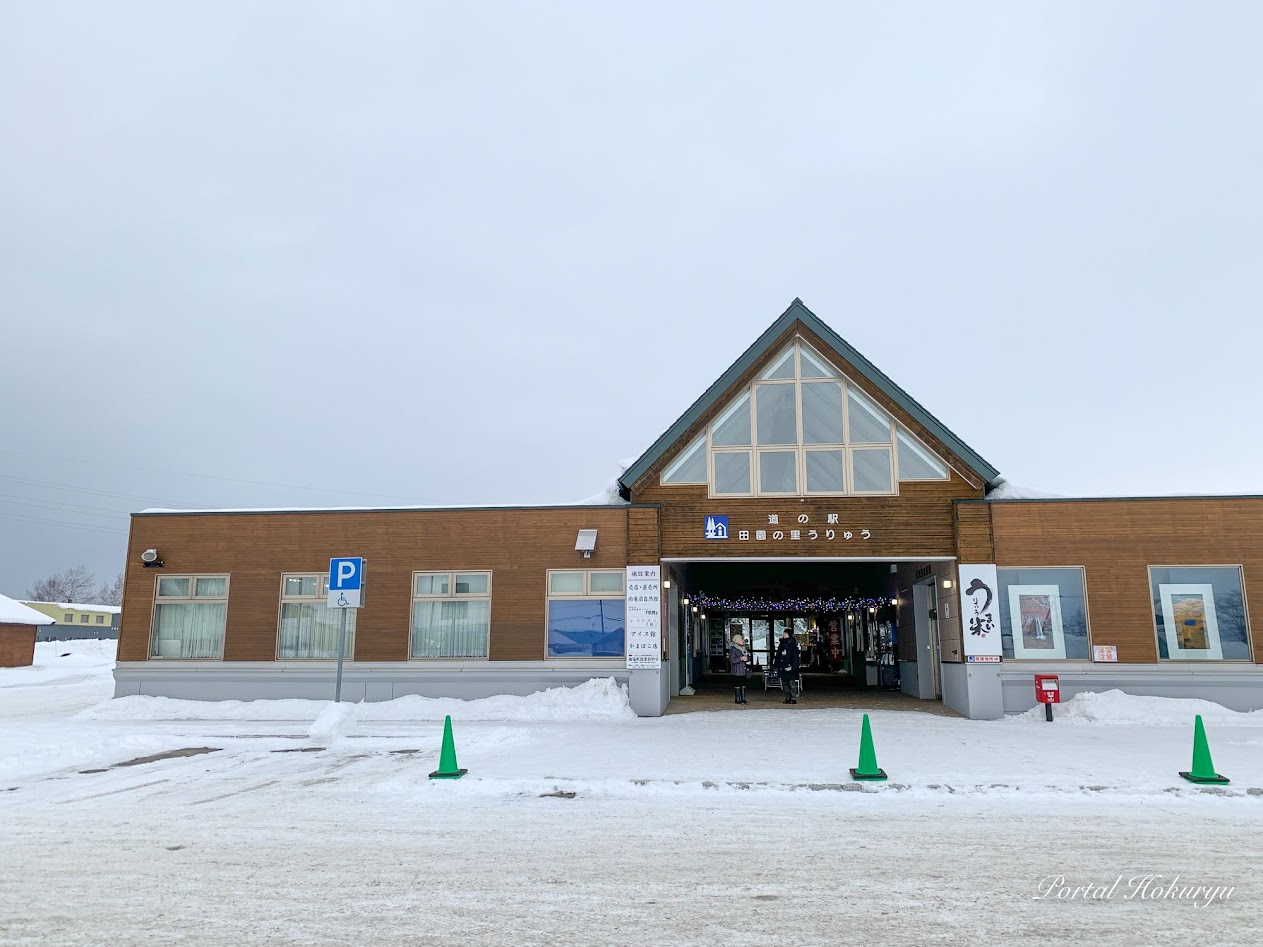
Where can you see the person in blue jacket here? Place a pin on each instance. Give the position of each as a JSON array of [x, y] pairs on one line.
[[787, 665], [739, 664]]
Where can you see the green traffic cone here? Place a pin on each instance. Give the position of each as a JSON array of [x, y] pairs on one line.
[[447, 757], [1203, 769], [868, 769]]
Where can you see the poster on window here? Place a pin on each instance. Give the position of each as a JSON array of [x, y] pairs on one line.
[[1035, 611], [1189, 623], [980, 611], [644, 617]]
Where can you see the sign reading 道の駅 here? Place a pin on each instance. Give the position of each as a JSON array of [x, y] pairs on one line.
[[643, 626]]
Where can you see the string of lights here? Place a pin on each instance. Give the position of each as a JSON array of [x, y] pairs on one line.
[[803, 604]]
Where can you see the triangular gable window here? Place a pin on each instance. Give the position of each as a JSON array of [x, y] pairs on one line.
[[802, 428], [690, 466], [782, 368]]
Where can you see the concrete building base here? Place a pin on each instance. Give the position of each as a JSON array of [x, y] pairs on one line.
[[1236, 686], [314, 680]]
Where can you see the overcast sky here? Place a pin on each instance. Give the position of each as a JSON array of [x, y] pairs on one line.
[[317, 254]]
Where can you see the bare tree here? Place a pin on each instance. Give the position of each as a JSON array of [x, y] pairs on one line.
[[69, 585], [111, 594]]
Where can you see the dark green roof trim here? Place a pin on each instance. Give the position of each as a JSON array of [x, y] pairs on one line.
[[800, 313]]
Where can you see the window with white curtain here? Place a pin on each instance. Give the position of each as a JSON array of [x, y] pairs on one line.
[[190, 612], [451, 614], [309, 627], [803, 428]]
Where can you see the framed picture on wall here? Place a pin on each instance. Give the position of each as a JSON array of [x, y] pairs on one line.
[[1189, 623], [1035, 612]]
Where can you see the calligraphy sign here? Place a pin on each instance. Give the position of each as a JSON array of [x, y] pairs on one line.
[[980, 610]]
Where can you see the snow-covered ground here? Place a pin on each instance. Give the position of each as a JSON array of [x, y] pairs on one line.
[[305, 824]]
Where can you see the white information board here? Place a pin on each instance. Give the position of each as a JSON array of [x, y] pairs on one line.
[[644, 617]]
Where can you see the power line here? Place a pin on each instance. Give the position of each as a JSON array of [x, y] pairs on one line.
[[105, 493], [61, 507], [258, 483], [87, 527]]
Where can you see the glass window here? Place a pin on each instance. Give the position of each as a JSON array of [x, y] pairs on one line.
[[68, 617], [824, 471], [309, 627], [472, 583], [777, 418], [304, 586], [869, 423], [565, 583], [783, 367], [1043, 614], [431, 583], [601, 582], [173, 588], [917, 463], [822, 413], [210, 588], [812, 365], [690, 466], [870, 470], [586, 628], [83, 619], [100, 619], [590, 625], [1200, 613], [451, 627], [732, 428], [185, 626], [778, 471], [732, 472]]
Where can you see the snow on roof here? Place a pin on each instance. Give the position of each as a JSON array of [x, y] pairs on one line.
[[74, 606], [15, 613], [1003, 490]]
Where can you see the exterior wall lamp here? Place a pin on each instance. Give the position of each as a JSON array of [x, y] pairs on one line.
[[149, 559], [947, 583]]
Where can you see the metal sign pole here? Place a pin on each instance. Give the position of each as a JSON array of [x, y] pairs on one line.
[[337, 690]]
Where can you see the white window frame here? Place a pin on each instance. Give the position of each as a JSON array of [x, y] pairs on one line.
[[191, 598], [918, 443], [321, 596], [586, 594], [451, 595], [1245, 614]]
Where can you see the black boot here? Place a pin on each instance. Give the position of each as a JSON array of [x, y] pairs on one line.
[[737, 691], [743, 695]]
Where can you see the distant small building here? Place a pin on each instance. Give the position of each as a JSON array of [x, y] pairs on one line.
[[76, 620], [18, 625]]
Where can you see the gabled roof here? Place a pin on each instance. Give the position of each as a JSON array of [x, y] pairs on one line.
[[797, 312]]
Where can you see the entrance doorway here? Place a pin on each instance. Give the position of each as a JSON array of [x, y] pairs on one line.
[[842, 613]]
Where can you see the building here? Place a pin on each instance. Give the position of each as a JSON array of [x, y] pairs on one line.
[[78, 620], [18, 626], [804, 490]]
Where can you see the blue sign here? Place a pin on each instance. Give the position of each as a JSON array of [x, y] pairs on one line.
[[346, 582], [716, 527]]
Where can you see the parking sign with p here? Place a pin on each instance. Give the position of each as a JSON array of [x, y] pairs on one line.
[[346, 582]]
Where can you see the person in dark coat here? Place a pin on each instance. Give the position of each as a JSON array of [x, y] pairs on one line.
[[739, 664], [787, 665]]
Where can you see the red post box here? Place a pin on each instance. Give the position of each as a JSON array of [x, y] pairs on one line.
[[1047, 692], [1047, 689]]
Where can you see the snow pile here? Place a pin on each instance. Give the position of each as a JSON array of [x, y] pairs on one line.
[[1115, 708], [1004, 490], [597, 699], [58, 659], [610, 496], [15, 613], [334, 723]]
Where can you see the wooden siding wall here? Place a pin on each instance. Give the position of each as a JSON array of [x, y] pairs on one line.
[[973, 532], [642, 536], [917, 522], [517, 545], [1117, 540]]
